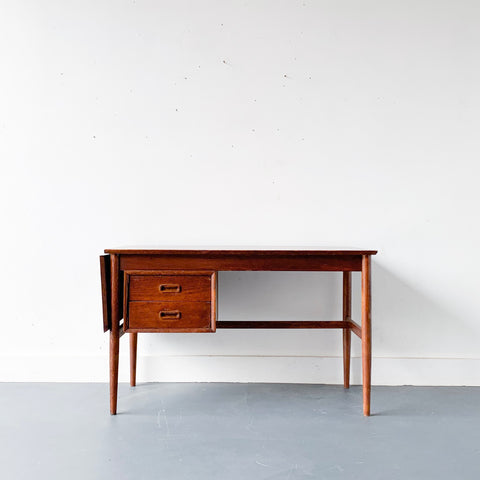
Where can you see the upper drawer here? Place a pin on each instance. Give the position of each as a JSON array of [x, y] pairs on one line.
[[192, 288]]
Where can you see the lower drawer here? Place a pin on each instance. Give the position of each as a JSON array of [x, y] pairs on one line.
[[170, 316]]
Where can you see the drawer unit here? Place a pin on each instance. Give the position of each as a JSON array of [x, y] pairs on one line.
[[166, 301]]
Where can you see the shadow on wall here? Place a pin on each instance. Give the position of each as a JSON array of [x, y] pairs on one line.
[[407, 322], [280, 296]]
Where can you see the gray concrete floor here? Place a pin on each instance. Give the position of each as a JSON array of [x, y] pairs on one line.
[[199, 431]]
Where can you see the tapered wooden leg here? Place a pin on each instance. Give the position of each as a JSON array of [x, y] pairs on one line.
[[133, 359], [347, 332], [366, 334], [114, 353], [114, 336]]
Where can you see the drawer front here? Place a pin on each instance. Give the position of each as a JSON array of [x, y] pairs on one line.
[[170, 316], [191, 288]]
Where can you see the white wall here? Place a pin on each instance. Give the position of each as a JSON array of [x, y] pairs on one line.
[[242, 123]]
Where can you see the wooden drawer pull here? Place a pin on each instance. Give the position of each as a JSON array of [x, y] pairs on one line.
[[170, 314], [170, 288]]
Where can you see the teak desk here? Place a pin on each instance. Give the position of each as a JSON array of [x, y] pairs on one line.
[[176, 291]]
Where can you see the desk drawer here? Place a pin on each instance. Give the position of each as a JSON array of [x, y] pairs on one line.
[[191, 288], [170, 316]]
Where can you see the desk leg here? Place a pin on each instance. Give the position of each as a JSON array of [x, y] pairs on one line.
[[133, 359], [347, 332], [366, 334], [114, 335]]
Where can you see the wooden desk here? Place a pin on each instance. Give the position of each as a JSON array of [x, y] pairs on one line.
[[176, 291]]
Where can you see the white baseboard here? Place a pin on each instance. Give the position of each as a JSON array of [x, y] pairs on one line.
[[271, 369]]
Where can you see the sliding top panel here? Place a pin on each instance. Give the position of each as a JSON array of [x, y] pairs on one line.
[[241, 252]]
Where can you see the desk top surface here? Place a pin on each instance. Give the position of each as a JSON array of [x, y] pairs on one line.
[[244, 251]]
